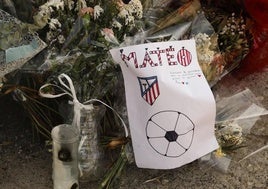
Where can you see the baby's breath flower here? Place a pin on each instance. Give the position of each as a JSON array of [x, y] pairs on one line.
[[135, 8], [202, 40]]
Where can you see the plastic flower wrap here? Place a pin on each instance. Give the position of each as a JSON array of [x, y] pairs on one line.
[[18, 43], [236, 115]]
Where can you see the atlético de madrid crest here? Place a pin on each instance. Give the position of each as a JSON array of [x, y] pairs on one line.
[[149, 88]]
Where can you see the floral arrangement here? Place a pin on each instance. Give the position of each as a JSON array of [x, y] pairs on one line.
[[80, 34], [232, 27], [110, 20], [86, 31]]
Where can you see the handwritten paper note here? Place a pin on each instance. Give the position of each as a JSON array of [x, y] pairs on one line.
[[171, 109]]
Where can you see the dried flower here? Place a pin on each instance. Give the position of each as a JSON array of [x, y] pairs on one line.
[[229, 134]]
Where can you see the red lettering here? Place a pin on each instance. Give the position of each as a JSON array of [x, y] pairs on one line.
[[170, 56], [127, 59], [158, 53], [147, 59], [156, 57]]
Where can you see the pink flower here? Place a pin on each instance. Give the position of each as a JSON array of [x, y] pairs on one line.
[[109, 35], [86, 10]]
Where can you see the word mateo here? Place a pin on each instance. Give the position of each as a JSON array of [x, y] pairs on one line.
[[156, 57]]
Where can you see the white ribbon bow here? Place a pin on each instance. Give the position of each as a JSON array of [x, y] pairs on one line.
[[70, 91]]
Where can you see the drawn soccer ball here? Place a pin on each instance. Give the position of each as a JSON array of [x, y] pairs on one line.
[[170, 133]]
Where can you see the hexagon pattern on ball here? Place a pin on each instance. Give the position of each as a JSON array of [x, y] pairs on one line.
[[170, 133]]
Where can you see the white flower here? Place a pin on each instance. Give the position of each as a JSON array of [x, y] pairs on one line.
[[135, 8], [58, 4], [202, 40], [97, 11], [123, 13], [61, 39], [130, 11], [130, 20], [42, 17], [54, 24], [50, 9], [49, 36], [82, 3], [70, 5], [102, 66], [204, 53], [117, 24]]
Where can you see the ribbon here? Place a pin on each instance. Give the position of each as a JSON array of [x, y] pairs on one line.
[[68, 89]]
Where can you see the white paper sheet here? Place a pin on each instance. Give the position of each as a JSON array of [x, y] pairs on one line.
[[171, 108]]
